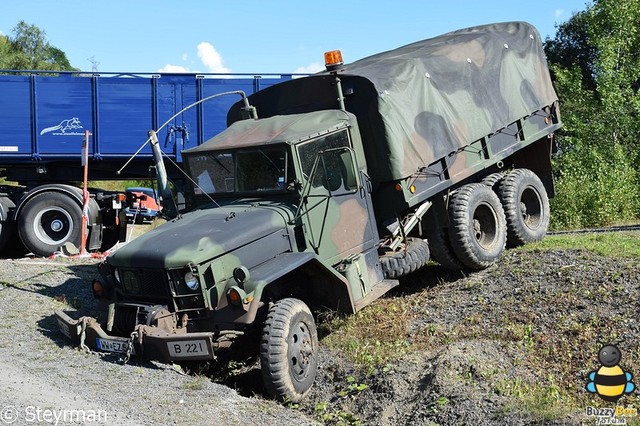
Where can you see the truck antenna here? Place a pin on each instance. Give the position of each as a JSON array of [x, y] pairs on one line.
[[234, 92]]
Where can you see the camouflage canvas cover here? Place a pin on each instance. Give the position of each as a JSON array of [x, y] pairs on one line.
[[421, 102]]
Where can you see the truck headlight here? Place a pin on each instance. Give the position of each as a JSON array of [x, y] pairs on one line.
[[191, 281]]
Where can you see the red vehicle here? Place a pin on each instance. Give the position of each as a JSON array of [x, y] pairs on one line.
[[143, 204]]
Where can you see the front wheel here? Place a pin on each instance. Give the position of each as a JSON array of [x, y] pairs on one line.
[[289, 350]]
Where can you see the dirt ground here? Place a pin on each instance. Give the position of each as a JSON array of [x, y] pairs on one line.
[[509, 345]]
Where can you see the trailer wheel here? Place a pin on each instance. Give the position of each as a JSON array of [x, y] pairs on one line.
[[49, 220], [402, 262], [7, 228], [289, 350], [526, 206], [478, 231], [441, 249]]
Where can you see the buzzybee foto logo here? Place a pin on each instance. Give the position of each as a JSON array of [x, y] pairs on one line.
[[610, 381]]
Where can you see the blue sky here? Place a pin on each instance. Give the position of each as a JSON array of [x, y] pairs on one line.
[[250, 36]]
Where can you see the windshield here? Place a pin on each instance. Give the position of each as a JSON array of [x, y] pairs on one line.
[[246, 170]]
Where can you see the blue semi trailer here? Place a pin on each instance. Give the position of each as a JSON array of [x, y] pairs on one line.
[[44, 116]]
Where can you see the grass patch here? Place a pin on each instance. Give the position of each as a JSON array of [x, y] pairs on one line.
[[542, 401], [610, 244], [198, 383], [373, 336]]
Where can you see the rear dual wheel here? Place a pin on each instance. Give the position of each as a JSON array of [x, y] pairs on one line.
[[7, 227], [441, 249], [477, 226], [526, 206]]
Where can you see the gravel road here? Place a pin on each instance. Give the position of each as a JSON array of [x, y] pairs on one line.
[[41, 371]]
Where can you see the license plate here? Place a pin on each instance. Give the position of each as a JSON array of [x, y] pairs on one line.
[[113, 346], [189, 348]]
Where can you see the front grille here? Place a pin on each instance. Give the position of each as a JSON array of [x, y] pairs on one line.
[[147, 283]]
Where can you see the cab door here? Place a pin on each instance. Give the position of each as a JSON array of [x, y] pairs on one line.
[[335, 206]]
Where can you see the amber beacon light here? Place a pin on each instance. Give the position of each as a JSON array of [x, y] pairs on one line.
[[333, 60]]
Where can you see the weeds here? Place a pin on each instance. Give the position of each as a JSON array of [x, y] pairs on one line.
[[198, 383]]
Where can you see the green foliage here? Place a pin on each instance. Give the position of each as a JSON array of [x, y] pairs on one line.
[[120, 185], [596, 66], [596, 186], [352, 387], [28, 49], [611, 244]]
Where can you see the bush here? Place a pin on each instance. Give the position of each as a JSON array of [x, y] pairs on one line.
[[595, 186]]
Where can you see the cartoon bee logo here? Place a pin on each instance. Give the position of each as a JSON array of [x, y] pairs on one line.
[[610, 381]]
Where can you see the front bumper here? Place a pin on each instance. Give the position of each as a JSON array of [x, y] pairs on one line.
[[146, 341]]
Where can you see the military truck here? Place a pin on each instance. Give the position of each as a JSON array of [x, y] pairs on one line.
[[349, 180]]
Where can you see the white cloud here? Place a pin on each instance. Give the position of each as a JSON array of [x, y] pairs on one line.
[[174, 69], [211, 58], [310, 69], [559, 13]]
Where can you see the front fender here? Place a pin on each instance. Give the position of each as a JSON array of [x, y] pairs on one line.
[[330, 289]]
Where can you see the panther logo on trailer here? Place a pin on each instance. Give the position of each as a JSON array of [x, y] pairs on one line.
[[64, 126]]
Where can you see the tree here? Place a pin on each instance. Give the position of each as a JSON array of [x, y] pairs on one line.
[[571, 47], [5, 52], [595, 62], [28, 49]]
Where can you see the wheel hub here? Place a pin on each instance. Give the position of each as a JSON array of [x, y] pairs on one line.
[[53, 225], [302, 350], [56, 225]]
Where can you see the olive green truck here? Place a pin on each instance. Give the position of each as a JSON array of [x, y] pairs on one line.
[[348, 180]]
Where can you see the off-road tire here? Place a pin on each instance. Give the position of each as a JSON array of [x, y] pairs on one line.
[[289, 350], [526, 206], [7, 228], [493, 180], [406, 260], [441, 250], [477, 226], [48, 221]]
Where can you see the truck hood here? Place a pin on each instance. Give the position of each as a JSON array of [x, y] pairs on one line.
[[201, 235]]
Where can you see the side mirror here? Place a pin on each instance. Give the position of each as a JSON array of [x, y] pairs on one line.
[[349, 172], [339, 174]]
